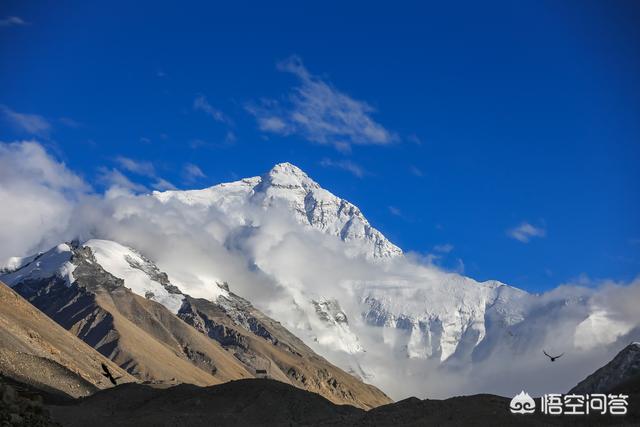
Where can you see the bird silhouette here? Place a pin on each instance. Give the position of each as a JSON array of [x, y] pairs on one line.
[[107, 374], [553, 358]]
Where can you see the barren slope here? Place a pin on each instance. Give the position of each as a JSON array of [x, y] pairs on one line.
[[36, 350], [138, 334]]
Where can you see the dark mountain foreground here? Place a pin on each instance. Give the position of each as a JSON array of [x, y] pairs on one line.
[[262, 402]]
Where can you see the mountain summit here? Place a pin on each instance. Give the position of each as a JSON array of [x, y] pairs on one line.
[[288, 175], [287, 186]]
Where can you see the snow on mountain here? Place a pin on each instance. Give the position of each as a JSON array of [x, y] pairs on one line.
[[338, 284], [54, 262], [443, 316], [335, 324], [435, 315], [139, 274], [287, 185], [373, 317]]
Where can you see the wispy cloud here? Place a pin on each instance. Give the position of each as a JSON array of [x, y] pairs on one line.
[[346, 165], [70, 123], [525, 232], [192, 173], [444, 248], [162, 184], [227, 141], [113, 178], [320, 113], [142, 168], [12, 21], [32, 124], [230, 138], [395, 211], [416, 171], [198, 143], [414, 139], [202, 104]]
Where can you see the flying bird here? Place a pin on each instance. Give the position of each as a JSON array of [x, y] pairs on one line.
[[107, 374], [553, 358]]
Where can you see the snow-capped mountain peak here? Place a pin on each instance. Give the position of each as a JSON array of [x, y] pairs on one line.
[[310, 260], [56, 262], [287, 175], [287, 186]]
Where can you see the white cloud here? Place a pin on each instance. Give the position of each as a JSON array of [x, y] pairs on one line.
[[37, 195], [32, 124], [525, 232], [11, 21], [346, 165], [320, 113], [273, 124], [30, 158], [192, 173], [142, 168], [202, 104], [45, 203], [116, 180]]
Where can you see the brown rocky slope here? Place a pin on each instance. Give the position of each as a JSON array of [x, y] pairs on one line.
[[206, 343], [37, 351]]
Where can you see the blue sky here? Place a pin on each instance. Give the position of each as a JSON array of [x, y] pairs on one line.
[[503, 138]]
